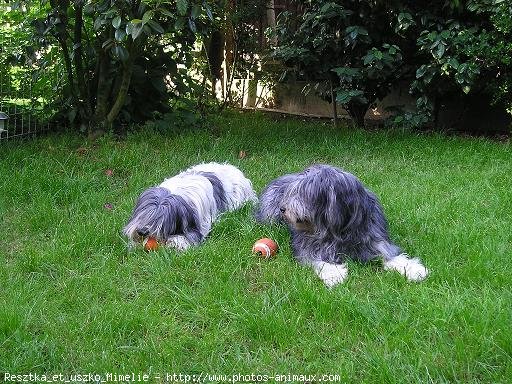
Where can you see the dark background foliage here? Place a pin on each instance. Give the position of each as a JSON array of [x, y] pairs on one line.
[[102, 64], [443, 50]]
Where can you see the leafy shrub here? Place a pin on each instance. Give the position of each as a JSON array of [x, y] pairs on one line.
[[357, 51], [346, 49], [122, 60], [461, 48]]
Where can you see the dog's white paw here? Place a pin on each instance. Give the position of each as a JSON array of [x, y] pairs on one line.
[[413, 269], [178, 242], [331, 274]]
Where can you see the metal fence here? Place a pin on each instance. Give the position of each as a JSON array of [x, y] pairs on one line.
[[30, 80]]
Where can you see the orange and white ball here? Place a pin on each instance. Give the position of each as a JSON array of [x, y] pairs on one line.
[[265, 248], [150, 244]]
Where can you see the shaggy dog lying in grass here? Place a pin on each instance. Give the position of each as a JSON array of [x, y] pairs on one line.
[[332, 217], [180, 211]]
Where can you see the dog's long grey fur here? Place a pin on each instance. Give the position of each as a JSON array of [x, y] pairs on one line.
[[332, 217]]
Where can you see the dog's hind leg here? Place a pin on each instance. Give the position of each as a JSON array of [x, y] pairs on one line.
[[412, 269]]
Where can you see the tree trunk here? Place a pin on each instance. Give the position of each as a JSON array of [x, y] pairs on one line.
[[103, 89], [334, 106], [123, 91], [229, 51], [69, 68], [252, 92], [243, 94], [215, 58], [77, 58], [357, 112], [62, 8], [271, 21]]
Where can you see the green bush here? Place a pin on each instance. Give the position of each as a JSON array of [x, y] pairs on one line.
[[362, 49], [461, 48], [120, 61], [346, 49]]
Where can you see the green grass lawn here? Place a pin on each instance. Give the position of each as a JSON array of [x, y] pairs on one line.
[[72, 300]]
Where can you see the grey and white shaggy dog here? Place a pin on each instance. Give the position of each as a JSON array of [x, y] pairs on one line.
[[332, 217], [180, 211]]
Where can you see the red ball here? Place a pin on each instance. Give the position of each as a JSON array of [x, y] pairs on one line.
[[150, 244], [265, 248]]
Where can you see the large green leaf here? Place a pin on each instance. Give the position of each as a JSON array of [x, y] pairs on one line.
[[182, 6], [147, 16], [116, 22], [155, 26], [344, 96]]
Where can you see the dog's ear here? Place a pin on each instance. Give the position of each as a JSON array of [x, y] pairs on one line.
[[271, 199], [191, 227], [337, 214], [170, 216], [175, 216], [347, 206], [188, 222]]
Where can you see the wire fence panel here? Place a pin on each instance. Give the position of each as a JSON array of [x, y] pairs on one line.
[[30, 79]]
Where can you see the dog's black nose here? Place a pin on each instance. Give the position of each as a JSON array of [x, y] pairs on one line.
[[282, 209], [142, 232]]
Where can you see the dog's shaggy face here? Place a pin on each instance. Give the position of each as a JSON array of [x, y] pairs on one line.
[[323, 200], [332, 217], [161, 215]]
